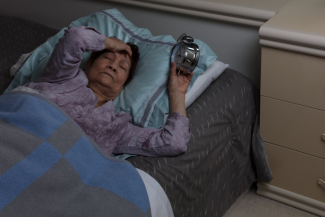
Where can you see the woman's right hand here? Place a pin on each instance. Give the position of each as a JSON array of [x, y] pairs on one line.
[[115, 44], [177, 87], [178, 83]]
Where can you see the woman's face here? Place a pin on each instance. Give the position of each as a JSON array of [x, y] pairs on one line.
[[110, 70]]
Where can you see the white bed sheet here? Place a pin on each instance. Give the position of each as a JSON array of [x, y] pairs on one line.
[[159, 202]]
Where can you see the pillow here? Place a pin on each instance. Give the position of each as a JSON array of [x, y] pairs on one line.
[[149, 84], [204, 80]]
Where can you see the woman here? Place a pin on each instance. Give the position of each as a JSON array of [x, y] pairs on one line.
[[87, 96]]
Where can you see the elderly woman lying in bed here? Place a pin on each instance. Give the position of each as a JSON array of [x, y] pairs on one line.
[[87, 96]]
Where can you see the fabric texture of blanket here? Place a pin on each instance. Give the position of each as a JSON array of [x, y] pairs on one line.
[[50, 167]]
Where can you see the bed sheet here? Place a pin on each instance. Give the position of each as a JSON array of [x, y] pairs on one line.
[[225, 154], [159, 203]]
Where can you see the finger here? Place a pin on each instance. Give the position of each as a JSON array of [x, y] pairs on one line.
[[173, 69], [129, 50], [121, 46], [189, 76], [118, 45]]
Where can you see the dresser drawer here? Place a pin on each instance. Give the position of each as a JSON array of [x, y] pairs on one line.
[[293, 77], [296, 172], [293, 126]]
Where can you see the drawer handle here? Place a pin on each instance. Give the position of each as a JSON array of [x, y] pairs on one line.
[[321, 182], [323, 136]]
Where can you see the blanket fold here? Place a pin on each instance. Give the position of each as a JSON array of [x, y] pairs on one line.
[[50, 167]]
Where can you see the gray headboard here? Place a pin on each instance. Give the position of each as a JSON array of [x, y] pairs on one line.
[[18, 36]]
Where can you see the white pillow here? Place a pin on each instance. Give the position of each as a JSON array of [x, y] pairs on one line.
[[202, 82]]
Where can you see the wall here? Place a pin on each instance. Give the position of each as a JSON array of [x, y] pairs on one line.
[[235, 44]]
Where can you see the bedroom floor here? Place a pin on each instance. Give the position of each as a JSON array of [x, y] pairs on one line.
[[253, 205]]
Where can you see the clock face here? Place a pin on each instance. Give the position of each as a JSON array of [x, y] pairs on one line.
[[178, 55]]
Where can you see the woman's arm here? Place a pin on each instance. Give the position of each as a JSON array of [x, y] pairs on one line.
[[172, 139], [67, 54]]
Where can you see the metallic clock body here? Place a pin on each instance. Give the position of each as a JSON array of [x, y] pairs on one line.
[[185, 54]]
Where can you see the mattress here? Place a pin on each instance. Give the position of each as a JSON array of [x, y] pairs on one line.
[[225, 154]]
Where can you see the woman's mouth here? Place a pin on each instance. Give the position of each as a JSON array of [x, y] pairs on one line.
[[109, 75]]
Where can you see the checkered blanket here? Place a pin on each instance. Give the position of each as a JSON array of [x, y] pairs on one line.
[[50, 167]]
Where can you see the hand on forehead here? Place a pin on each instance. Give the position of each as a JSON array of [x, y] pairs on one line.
[[116, 45]]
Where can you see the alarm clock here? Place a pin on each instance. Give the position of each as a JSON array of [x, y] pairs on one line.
[[185, 54]]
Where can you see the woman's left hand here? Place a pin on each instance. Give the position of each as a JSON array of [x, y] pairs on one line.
[[178, 83], [115, 44]]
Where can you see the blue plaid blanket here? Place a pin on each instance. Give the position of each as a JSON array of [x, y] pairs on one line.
[[50, 167]]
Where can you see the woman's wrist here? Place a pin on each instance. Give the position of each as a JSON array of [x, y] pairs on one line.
[[108, 43], [177, 102]]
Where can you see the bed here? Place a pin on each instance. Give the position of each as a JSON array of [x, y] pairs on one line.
[[225, 155]]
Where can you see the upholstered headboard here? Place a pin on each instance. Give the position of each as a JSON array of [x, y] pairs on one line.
[[18, 32]]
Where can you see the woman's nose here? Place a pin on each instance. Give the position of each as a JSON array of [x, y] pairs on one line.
[[112, 67]]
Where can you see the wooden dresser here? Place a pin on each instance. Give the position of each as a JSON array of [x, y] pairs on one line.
[[292, 118]]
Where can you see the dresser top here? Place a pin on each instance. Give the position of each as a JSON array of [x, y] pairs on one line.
[[274, 5], [298, 27], [301, 15]]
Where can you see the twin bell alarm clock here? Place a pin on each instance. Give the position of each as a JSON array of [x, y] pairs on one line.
[[185, 54]]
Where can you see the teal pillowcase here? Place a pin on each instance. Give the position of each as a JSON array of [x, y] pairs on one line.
[[146, 96]]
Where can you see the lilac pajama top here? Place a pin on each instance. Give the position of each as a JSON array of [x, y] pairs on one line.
[[65, 83]]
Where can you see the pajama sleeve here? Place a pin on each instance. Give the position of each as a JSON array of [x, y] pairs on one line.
[[67, 55], [171, 140]]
